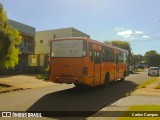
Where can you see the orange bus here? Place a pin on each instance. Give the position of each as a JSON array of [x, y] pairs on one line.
[[83, 61]]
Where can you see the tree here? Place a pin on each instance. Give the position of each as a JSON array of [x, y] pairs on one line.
[[136, 59], [149, 54], [121, 44], [10, 39], [154, 61], [140, 58]]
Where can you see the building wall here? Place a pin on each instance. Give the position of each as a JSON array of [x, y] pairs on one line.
[[42, 39], [35, 46], [42, 47], [27, 46]]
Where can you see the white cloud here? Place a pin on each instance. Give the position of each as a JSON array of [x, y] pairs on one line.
[[139, 32], [145, 36], [131, 34], [119, 28], [125, 34]]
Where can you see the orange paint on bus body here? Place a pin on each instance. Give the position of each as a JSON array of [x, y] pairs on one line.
[[97, 64]]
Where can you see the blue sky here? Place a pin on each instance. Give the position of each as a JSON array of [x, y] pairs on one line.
[[136, 21]]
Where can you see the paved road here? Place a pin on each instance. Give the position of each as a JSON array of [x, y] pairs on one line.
[[138, 78], [67, 98]]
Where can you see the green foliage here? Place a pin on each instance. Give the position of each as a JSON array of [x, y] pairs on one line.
[[149, 54], [44, 76], [154, 60], [136, 59], [9, 41], [121, 44], [47, 70]]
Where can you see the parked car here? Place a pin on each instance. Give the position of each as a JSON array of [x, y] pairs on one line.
[[140, 67], [153, 71], [131, 69]]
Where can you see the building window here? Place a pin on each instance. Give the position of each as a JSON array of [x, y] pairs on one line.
[[54, 36], [41, 41], [49, 42], [25, 42]]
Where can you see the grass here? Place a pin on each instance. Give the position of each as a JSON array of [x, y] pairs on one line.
[[129, 93], [144, 85], [151, 80], [3, 86], [43, 76], [138, 108], [139, 70], [158, 87], [46, 75]]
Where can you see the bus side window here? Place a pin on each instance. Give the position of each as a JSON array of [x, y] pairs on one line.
[[104, 54], [90, 51], [97, 58], [110, 55], [121, 58], [125, 56], [117, 57]]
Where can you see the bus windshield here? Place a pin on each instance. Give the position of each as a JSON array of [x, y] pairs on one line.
[[68, 48]]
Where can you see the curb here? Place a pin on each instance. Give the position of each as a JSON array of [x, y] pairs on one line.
[[10, 89]]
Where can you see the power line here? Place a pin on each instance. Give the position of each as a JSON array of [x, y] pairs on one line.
[[152, 39]]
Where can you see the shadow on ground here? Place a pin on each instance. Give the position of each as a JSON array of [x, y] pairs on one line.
[[93, 99], [134, 73]]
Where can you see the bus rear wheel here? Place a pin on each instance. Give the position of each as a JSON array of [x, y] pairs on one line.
[[124, 75], [77, 85], [106, 82]]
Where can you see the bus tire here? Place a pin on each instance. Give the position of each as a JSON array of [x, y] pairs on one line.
[[106, 81], [124, 75]]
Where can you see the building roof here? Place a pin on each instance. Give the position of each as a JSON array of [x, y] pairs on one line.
[[69, 29], [26, 29]]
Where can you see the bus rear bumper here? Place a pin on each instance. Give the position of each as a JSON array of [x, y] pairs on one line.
[[70, 80]]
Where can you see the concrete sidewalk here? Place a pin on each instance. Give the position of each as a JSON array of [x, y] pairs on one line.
[[123, 104], [143, 96], [20, 82]]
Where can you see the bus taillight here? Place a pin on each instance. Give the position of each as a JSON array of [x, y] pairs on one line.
[[85, 71]]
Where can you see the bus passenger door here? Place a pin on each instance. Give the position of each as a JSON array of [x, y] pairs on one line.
[[97, 67]]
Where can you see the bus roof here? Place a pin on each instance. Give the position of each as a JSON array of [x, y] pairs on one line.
[[92, 41]]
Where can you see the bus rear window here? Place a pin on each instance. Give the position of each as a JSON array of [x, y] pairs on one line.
[[68, 48]]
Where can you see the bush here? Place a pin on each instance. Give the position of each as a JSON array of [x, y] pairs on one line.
[[44, 76]]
